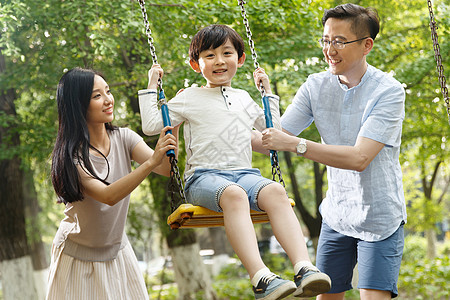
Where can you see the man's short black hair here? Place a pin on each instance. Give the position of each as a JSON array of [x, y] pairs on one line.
[[365, 21]]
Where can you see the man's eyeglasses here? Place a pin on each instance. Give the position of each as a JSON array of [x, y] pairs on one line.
[[337, 44]]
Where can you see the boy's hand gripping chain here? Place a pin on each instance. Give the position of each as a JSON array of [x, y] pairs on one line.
[[162, 103], [265, 100]]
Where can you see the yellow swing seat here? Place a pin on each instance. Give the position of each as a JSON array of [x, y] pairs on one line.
[[191, 216]]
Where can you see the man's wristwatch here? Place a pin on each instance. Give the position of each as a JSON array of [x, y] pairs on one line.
[[301, 147]]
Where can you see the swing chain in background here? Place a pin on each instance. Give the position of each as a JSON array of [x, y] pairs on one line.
[[438, 58], [178, 184], [150, 40]]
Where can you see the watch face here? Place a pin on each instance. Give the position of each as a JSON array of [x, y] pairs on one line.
[[301, 148]]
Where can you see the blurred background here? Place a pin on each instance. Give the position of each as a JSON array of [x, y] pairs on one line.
[[40, 40]]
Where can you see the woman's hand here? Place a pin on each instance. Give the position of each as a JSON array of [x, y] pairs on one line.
[[165, 143], [154, 74], [260, 76], [149, 160]]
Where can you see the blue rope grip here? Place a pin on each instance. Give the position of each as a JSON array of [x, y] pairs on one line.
[[166, 119], [269, 123]]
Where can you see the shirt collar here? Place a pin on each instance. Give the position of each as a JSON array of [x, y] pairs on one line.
[[363, 79]]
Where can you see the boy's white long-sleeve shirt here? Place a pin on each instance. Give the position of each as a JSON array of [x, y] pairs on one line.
[[217, 124]]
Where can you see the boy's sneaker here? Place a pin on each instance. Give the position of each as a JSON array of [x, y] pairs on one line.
[[311, 282], [272, 287]]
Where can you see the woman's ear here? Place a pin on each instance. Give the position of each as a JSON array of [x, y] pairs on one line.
[[195, 66]]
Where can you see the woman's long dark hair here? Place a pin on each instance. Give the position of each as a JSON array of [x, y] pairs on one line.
[[73, 96]]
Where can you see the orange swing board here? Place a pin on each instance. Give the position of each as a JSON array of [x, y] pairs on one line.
[[191, 216]]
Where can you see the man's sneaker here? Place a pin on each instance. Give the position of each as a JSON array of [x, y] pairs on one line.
[[311, 282], [272, 287]]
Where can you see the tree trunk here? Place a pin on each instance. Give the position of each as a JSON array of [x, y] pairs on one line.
[[315, 242], [319, 173], [312, 223], [38, 251], [222, 249], [428, 186], [15, 262], [32, 210], [190, 273], [219, 241], [430, 235], [17, 278]]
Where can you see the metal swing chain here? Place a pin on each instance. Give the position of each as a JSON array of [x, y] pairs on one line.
[[250, 42], [150, 40], [276, 171], [438, 58], [174, 170], [175, 178], [249, 33]]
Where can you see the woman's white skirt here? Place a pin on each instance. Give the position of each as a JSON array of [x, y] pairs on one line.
[[120, 278]]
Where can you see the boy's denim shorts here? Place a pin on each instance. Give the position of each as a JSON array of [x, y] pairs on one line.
[[378, 262], [205, 186]]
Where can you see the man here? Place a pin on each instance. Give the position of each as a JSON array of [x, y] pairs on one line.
[[358, 111]]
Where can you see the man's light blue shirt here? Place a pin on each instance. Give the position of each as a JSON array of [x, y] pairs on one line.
[[368, 205]]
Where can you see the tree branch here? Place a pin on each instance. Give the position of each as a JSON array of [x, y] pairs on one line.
[[435, 172], [444, 191], [426, 188], [169, 5]]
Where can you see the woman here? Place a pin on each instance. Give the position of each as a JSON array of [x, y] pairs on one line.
[[92, 175]]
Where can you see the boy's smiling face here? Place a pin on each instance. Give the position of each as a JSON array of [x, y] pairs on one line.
[[218, 65]]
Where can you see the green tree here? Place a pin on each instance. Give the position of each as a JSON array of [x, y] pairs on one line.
[[19, 253], [425, 131], [39, 45]]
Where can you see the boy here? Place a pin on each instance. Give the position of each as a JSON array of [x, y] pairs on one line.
[[218, 124]]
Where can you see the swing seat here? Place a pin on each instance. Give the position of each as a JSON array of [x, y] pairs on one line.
[[191, 216]]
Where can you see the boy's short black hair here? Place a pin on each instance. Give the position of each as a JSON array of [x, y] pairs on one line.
[[364, 20], [213, 36]]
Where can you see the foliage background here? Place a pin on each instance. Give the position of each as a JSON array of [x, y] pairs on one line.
[[40, 40]]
